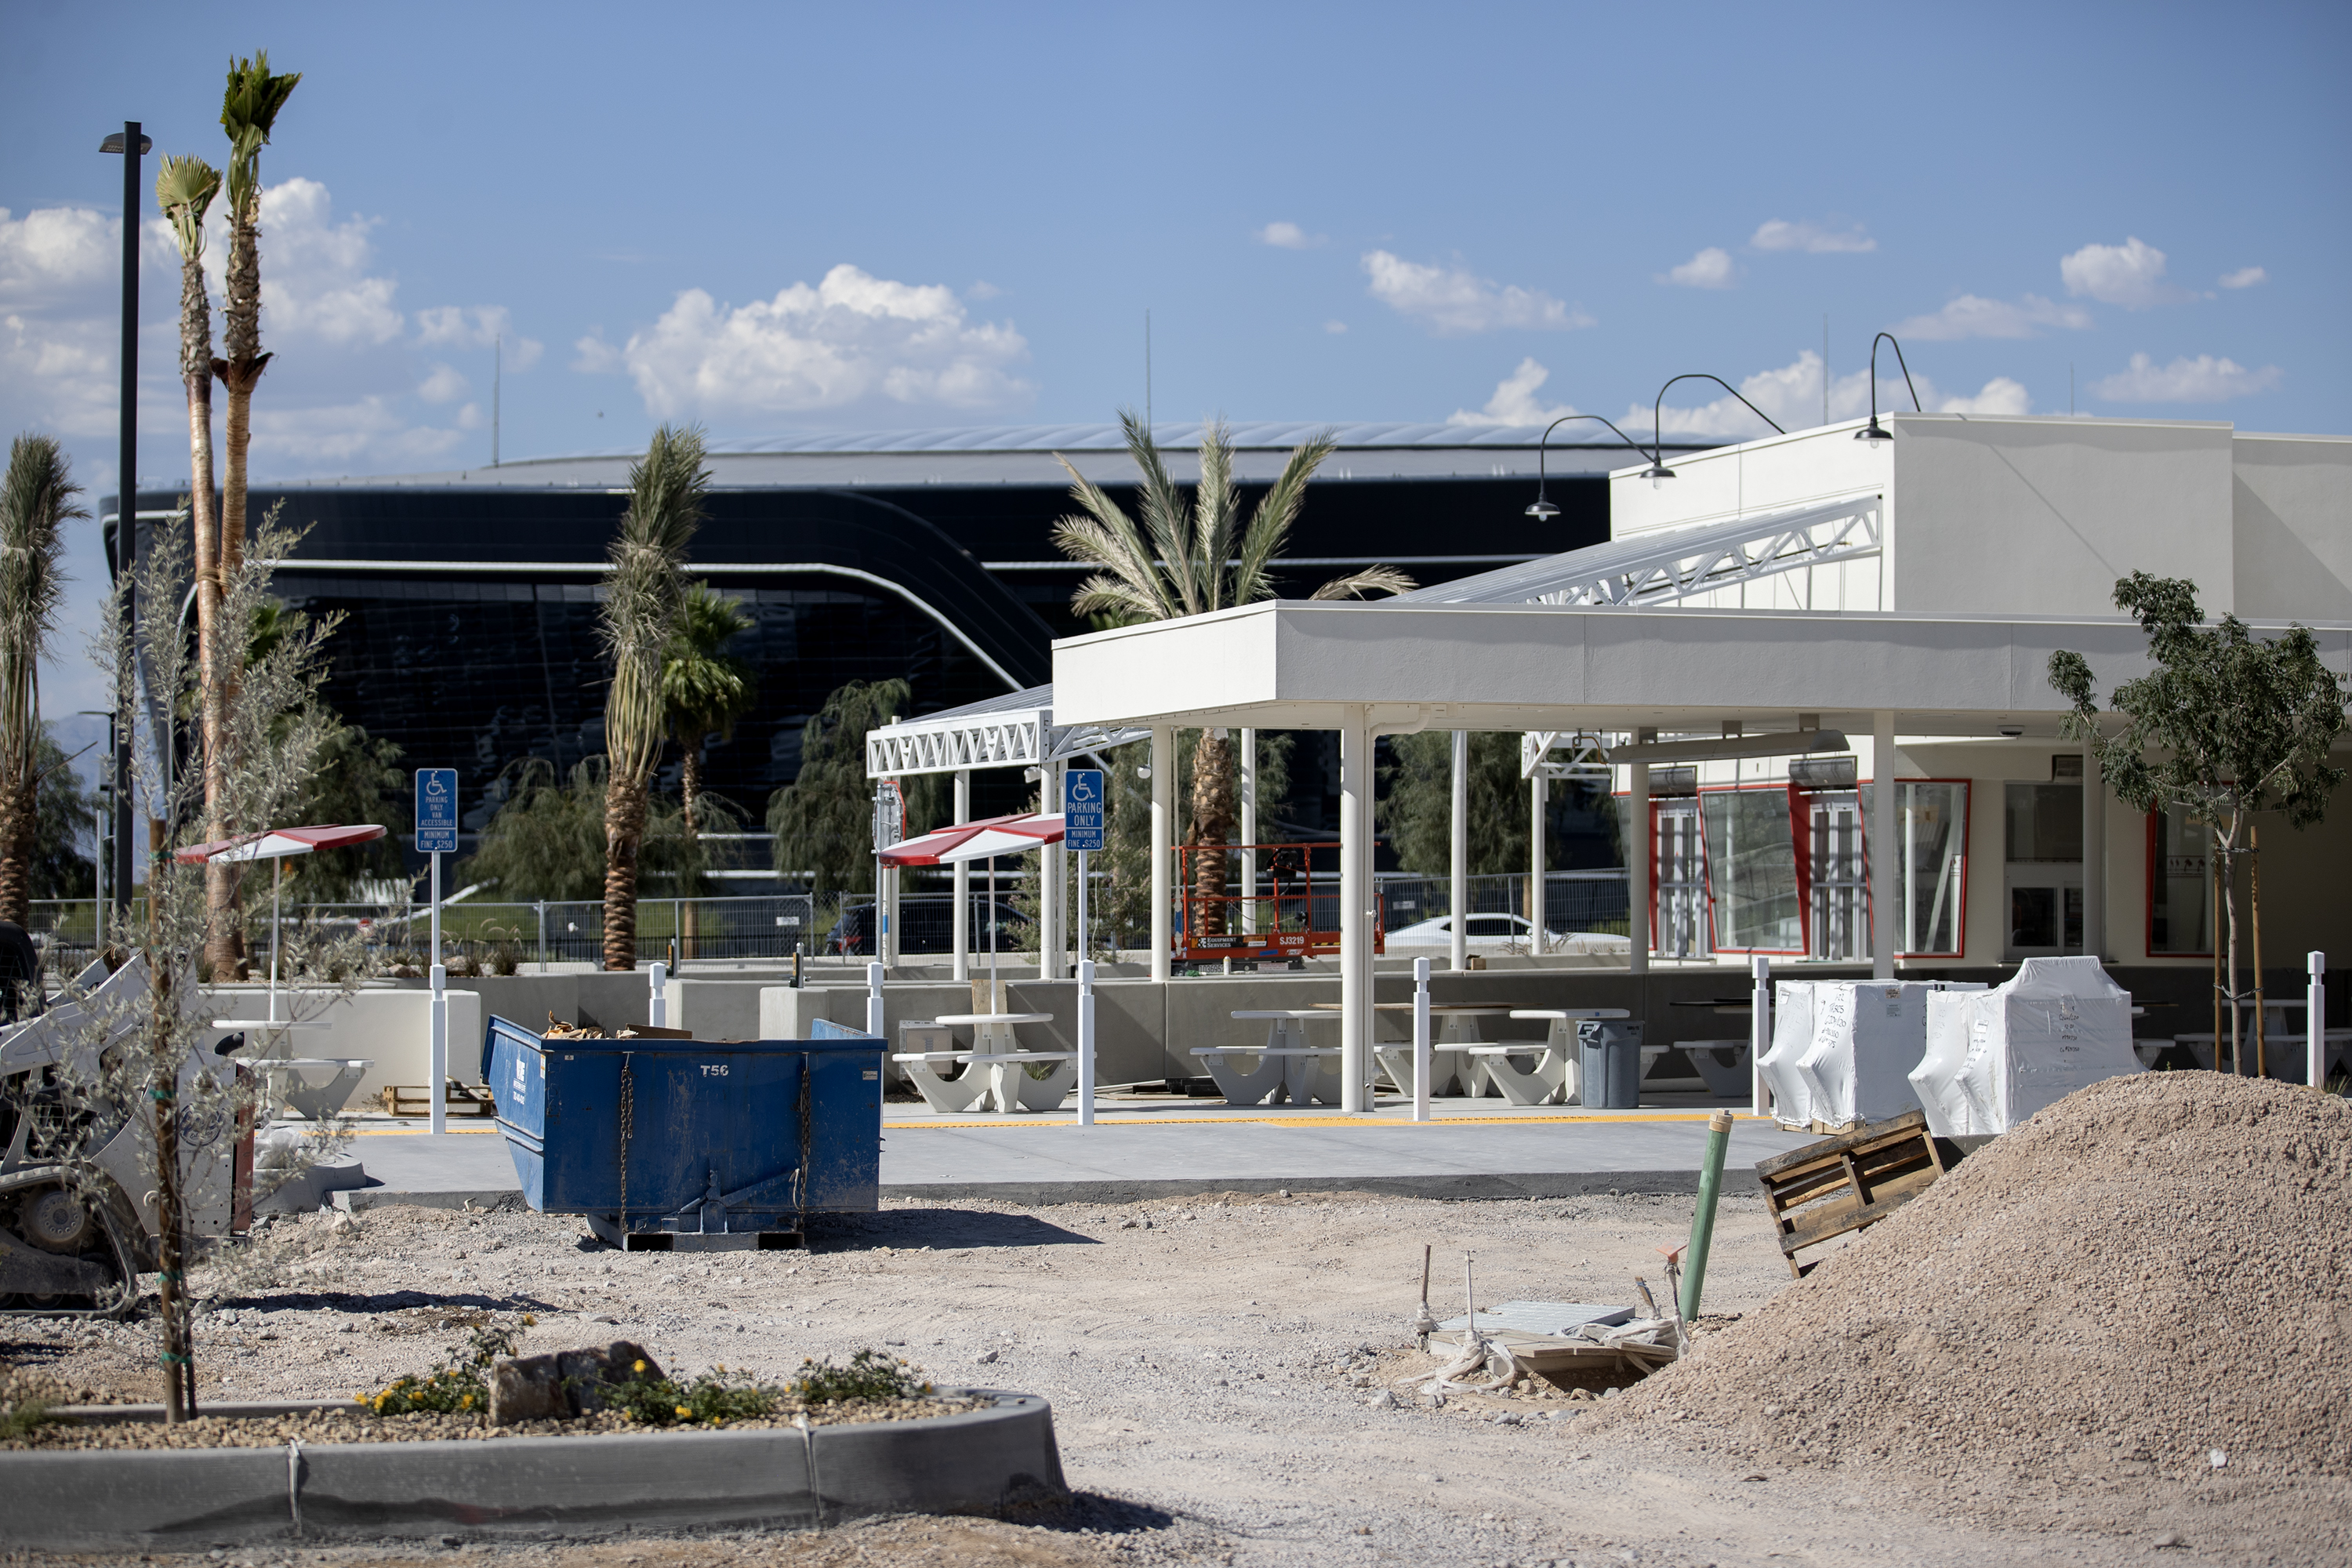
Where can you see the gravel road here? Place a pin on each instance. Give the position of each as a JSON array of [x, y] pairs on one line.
[[1224, 1373]]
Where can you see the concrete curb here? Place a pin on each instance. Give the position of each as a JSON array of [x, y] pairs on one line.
[[1442, 1187], [183, 1500]]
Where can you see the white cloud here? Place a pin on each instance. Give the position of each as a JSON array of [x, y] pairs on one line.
[[1973, 316], [982, 289], [2244, 278], [446, 384], [2130, 274], [1779, 234], [1791, 395], [2201, 380], [366, 431], [1335, 327], [1288, 236], [315, 282], [1515, 401], [1453, 300], [454, 326], [851, 339], [1710, 268], [591, 355], [51, 252]]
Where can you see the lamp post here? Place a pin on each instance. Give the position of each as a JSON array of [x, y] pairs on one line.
[[1543, 511], [1658, 472], [131, 146], [1874, 432]]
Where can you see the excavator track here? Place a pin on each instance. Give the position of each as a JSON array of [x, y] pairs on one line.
[[62, 1253]]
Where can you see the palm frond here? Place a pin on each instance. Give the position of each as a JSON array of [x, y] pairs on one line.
[[1106, 536], [1371, 580], [184, 189], [249, 107], [1164, 522], [1216, 512], [644, 586], [1101, 595], [1269, 525], [704, 686], [36, 499]]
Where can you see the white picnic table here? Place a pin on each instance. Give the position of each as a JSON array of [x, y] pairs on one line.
[[995, 1073], [1287, 1067], [2280, 1047]]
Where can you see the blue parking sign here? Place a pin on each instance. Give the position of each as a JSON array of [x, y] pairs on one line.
[[436, 811], [1082, 808]]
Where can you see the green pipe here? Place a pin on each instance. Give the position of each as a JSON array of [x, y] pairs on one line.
[[1710, 1188]]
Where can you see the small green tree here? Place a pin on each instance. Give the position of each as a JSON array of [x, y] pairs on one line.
[[547, 839], [1416, 804], [59, 868], [2226, 725], [704, 687], [824, 819]]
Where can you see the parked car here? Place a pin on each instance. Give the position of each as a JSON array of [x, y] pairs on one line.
[[1496, 932]]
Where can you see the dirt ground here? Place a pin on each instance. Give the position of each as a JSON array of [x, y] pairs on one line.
[[1227, 1376]]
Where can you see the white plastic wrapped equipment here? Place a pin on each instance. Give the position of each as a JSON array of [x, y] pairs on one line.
[[1793, 1035], [1936, 1079], [1867, 1036], [2061, 1024]]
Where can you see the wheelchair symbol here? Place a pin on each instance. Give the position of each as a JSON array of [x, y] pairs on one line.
[[1083, 787]]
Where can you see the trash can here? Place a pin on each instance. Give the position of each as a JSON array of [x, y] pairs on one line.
[[691, 1145], [1612, 1049]]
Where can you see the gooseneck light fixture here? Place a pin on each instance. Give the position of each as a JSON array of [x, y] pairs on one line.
[[1658, 473], [1874, 432], [1543, 511]]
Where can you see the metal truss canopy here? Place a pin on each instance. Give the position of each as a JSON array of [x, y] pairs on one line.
[[1651, 569], [1014, 731]]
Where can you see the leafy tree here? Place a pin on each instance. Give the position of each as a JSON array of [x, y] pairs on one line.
[[1189, 560], [2226, 725], [824, 819], [547, 839], [358, 779], [59, 868], [704, 687], [644, 589], [1416, 803], [36, 498]]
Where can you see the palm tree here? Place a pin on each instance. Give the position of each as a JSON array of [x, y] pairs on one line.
[[1188, 561], [184, 189], [704, 687], [36, 499], [644, 589]]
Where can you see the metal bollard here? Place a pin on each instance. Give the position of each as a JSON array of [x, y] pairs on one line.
[[657, 996], [2314, 1019], [439, 1034], [1760, 1034], [874, 1000], [1086, 1041], [1420, 1067]]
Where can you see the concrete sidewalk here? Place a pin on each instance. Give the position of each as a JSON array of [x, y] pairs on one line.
[[1128, 1155]]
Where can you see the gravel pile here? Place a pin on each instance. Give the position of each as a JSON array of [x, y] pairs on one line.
[[2145, 1285]]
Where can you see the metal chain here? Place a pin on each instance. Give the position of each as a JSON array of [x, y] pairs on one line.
[[628, 1127]]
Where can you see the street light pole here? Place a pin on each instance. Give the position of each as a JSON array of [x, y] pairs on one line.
[[132, 146]]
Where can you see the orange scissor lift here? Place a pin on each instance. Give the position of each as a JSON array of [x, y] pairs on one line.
[[1280, 921]]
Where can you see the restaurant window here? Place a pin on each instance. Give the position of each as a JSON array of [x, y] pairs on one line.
[[1931, 846], [1751, 865], [2179, 884]]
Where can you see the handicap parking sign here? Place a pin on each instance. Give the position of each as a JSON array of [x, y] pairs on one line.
[[1082, 808], [436, 811]]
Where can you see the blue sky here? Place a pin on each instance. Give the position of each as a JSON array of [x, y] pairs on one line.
[[772, 219]]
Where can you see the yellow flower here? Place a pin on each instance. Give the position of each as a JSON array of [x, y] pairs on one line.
[[529, 1321], [682, 1410], [466, 1402], [638, 1366]]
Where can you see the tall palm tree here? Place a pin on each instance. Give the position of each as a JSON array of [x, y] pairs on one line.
[[1189, 560], [36, 499], [184, 189], [644, 589]]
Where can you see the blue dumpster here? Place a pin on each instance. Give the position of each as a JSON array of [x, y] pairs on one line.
[[691, 1145]]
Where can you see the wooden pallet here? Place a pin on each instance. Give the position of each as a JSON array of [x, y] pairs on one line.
[[1840, 1184], [457, 1099]]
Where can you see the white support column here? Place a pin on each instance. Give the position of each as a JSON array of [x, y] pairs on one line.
[[657, 995], [1458, 863], [1164, 834], [1421, 1066], [1354, 907], [2094, 856], [1249, 831], [1538, 793], [1640, 842], [960, 933], [1884, 861], [1760, 1033], [2314, 1019], [1086, 1022], [1050, 962]]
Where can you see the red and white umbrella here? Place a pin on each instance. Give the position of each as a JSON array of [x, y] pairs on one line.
[[982, 840], [276, 844]]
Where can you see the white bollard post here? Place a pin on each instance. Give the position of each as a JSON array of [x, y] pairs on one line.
[[1085, 1041], [874, 1001], [1759, 1033], [657, 996], [1421, 1067], [2314, 1019], [438, 1012]]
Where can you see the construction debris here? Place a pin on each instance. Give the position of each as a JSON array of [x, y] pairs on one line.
[[1840, 1184]]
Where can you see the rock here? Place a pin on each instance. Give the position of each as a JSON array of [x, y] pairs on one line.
[[1383, 1400], [527, 1388], [984, 1358], [2216, 1457], [2169, 1538]]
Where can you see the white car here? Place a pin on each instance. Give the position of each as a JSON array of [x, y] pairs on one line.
[[1501, 933]]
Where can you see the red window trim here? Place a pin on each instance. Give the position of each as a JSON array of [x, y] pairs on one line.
[[2148, 904]]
